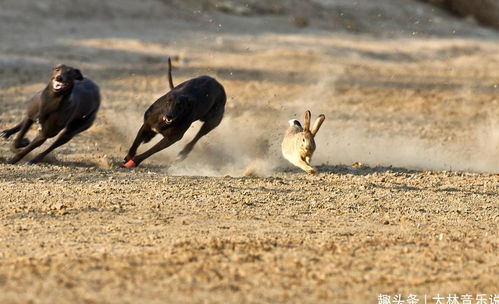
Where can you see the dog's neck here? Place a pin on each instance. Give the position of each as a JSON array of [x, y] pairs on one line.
[[53, 96], [52, 101]]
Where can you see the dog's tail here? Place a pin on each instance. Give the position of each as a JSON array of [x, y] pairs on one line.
[[170, 80]]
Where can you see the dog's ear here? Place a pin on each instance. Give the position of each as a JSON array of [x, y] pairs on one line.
[[58, 66], [78, 74]]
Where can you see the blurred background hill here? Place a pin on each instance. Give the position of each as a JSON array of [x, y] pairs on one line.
[[381, 17]]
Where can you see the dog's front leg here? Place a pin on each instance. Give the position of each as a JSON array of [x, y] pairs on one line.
[[75, 127], [142, 136], [162, 144], [7, 133], [20, 141], [37, 141]]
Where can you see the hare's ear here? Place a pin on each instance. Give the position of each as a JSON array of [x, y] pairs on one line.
[[317, 124], [306, 122]]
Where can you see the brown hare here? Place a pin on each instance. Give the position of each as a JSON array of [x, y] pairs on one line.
[[298, 144]]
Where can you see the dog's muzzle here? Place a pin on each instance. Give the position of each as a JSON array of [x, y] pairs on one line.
[[167, 120], [59, 85]]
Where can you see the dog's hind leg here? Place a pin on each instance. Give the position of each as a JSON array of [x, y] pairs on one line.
[[37, 141], [71, 130], [213, 120]]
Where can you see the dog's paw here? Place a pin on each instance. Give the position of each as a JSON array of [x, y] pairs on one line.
[[4, 135], [130, 164], [12, 161]]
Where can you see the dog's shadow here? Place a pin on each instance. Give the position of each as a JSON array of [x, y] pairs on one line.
[[116, 164], [58, 163]]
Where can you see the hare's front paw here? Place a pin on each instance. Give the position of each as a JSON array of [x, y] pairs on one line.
[[311, 170]]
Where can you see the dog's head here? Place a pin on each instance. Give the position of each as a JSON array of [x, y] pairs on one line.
[[176, 106], [63, 77]]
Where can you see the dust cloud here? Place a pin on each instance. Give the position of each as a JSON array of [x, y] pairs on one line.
[[355, 145]]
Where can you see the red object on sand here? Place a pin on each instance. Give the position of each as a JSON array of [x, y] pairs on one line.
[[130, 164]]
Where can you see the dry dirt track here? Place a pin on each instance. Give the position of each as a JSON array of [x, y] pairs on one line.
[[78, 229]]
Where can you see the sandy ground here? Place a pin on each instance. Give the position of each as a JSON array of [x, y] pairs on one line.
[[410, 96]]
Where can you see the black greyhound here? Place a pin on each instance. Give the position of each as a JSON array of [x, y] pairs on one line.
[[201, 98], [69, 102]]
